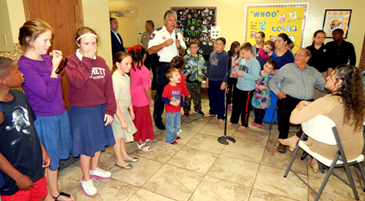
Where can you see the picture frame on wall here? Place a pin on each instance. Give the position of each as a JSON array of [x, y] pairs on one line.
[[336, 19]]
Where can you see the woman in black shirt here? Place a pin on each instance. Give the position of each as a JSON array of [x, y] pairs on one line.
[[320, 59]]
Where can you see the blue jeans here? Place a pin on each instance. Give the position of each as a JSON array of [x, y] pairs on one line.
[[216, 99], [173, 122]]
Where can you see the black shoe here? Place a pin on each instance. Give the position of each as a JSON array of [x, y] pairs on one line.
[[161, 127], [199, 112], [186, 114]]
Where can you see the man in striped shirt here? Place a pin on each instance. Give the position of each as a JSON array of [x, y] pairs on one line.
[[293, 83]]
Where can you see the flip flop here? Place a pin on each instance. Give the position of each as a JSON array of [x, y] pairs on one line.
[[63, 194]]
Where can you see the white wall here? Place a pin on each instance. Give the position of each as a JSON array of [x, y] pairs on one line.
[[17, 17], [231, 15], [96, 16]]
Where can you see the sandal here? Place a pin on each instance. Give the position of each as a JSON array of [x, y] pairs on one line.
[[63, 194], [146, 148]]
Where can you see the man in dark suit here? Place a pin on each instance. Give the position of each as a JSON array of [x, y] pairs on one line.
[[117, 41]]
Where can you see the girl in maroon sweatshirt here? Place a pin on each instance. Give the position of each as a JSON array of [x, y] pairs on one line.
[[92, 107]]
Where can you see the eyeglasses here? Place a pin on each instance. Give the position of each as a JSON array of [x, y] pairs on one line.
[[301, 55]]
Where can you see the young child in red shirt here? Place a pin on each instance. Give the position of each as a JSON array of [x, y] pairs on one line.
[[178, 62], [173, 98]]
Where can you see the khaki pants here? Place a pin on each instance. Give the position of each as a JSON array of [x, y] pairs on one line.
[[317, 93]]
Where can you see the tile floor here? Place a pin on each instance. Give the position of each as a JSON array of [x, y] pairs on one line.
[[200, 168]]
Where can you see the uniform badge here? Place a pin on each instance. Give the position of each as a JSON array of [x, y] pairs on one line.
[[163, 37], [152, 36], [324, 50]]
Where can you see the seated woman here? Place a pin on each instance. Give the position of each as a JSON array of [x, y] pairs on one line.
[[345, 108]]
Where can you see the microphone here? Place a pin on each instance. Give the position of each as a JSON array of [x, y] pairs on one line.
[[176, 37]]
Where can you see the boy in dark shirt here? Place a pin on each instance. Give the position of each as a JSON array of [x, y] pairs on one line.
[[216, 79], [22, 156]]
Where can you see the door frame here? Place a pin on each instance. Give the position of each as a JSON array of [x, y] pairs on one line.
[[78, 12]]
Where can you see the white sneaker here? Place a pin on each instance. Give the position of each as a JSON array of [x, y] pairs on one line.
[[178, 132], [89, 188], [102, 174]]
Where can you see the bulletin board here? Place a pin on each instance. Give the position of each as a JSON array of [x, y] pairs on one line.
[[273, 19], [197, 22]]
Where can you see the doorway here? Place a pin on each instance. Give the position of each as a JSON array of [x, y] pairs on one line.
[[65, 17], [127, 24]]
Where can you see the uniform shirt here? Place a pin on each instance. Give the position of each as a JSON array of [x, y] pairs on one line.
[[19, 142], [145, 39], [320, 59], [161, 35], [251, 68], [297, 83], [342, 53], [90, 83], [43, 92]]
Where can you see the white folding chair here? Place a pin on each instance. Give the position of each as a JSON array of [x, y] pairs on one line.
[[323, 129]]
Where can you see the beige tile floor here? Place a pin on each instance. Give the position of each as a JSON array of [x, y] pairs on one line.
[[200, 168]]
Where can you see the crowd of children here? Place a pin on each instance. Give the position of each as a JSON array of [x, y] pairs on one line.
[[110, 108]]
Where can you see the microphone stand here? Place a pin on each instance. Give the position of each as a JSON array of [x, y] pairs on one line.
[[223, 139]]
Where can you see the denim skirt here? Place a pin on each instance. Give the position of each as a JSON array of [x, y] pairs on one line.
[[89, 134], [54, 133]]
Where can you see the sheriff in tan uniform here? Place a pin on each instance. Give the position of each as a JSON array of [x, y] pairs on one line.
[[167, 43]]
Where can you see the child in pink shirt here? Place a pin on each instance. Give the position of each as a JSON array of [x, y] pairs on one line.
[[141, 98]]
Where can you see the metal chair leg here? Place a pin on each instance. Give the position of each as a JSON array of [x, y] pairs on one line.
[[291, 162], [351, 180], [327, 177], [292, 159], [359, 166], [273, 115]]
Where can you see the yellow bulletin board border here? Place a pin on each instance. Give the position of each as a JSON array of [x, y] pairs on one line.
[[336, 19], [288, 5]]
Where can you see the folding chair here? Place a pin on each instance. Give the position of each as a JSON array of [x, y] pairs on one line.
[[323, 129], [273, 116]]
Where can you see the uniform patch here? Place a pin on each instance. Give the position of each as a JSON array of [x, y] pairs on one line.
[[152, 36], [163, 37]]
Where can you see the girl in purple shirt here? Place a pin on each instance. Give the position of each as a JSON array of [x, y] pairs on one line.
[[43, 89]]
